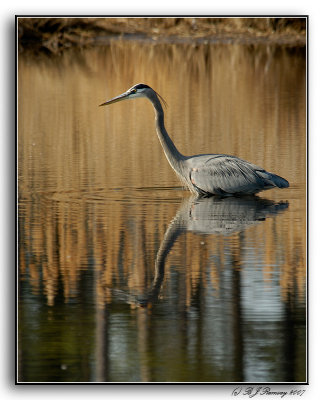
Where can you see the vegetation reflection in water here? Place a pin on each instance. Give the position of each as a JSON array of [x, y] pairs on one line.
[[207, 293], [94, 209]]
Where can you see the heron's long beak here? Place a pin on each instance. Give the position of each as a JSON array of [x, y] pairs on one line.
[[121, 97]]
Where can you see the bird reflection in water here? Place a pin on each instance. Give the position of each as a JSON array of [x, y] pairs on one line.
[[211, 215]]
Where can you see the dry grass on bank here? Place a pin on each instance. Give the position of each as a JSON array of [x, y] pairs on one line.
[[55, 34]]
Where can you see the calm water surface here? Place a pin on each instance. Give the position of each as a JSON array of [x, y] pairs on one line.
[[123, 276]]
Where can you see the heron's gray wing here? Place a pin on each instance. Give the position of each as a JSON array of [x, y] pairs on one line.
[[225, 174]]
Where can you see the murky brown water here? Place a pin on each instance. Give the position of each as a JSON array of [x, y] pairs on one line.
[[123, 277]]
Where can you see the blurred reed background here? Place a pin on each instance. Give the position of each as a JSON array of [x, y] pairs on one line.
[[246, 115]]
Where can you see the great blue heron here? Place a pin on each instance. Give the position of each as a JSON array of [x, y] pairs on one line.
[[205, 174]]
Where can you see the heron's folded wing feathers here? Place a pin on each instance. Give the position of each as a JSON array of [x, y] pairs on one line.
[[230, 175]]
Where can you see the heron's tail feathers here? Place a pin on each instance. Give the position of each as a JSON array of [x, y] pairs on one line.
[[279, 182], [273, 179]]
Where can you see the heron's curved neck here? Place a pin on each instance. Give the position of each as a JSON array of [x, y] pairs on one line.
[[173, 155]]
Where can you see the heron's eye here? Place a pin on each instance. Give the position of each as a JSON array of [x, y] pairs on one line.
[[134, 91]]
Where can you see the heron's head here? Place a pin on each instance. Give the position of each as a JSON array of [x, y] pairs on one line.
[[136, 91]]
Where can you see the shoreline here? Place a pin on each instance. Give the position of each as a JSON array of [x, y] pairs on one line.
[[54, 35]]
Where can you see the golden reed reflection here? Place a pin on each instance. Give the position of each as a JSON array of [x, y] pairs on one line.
[[81, 169], [122, 250]]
